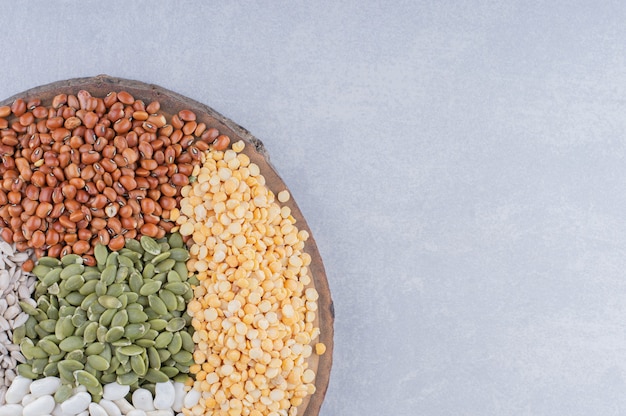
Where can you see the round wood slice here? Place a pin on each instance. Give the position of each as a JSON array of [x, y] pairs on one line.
[[171, 103]]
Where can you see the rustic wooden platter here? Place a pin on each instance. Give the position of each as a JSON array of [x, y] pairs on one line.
[[171, 103]]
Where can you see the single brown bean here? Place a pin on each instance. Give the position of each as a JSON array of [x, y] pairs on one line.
[[149, 164], [18, 107], [5, 111], [151, 230], [57, 210], [178, 179], [210, 135], [114, 226], [44, 209], [90, 157], [38, 239], [82, 196], [167, 203], [81, 247], [116, 243], [52, 237], [147, 206], [221, 142], [26, 119], [125, 97], [151, 219]]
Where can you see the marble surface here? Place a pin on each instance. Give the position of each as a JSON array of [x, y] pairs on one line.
[[461, 164]]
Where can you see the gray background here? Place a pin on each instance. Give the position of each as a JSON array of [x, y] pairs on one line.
[[461, 164]]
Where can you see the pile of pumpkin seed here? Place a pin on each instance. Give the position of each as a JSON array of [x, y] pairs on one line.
[[123, 320]]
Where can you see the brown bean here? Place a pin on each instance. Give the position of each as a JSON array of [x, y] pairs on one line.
[[147, 206], [52, 238], [18, 107], [178, 179], [153, 107], [167, 203], [116, 243], [149, 164], [44, 209], [26, 119], [80, 247], [29, 206], [38, 239], [151, 230], [33, 223]]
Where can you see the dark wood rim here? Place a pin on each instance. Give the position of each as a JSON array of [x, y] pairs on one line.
[[172, 102]]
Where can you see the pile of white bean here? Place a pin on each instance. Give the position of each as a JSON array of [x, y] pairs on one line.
[[15, 285], [26, 397]]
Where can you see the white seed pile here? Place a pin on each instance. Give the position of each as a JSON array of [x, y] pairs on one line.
[[15, 286]]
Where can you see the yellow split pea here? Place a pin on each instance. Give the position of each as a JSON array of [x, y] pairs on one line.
[[254, 308]]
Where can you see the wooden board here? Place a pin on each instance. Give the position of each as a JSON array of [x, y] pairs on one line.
[[171, 103]]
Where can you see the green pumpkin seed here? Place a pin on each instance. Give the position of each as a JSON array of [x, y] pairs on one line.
[[74, 298], [134, 331], [159, 258], [116, 289], [169, 299], [173, 277], [157, 304], [175, 240], [91, 274], [149, 271], [90, 333], [127, 379], [51, 370], [165, 355], [48, 346], [74, 283], [71, 259], [145, 343], [131, 350], [70, 366], [156, 376], [101, 253], [64, 328], [76, 355], [177, 288], [18, 334], [89, 299], [176, 344], [54, 289], [108, 274], [71, 343], [170, 372], [122, 273], [63, 393], [158, 324], [163, 340], [109, 302], [179, 254], [98, 363], [71, 270], [101, 288], [137, 316], [120, 318], [150, 246], [122, 342], [125, 261], [154, 359], [48, 325], [107, 317], [134, 245], [150, 334], [149, 287], [52, 277], [41, 271], [138, 365], [39, 364], [88, 288], [165, 265], [181, 269], [135, 281], [49, 262], [85, 379], [114, 334], [112, 259], [101, 333], [108, 378], [95, 348], [28, 308], [26, 370]]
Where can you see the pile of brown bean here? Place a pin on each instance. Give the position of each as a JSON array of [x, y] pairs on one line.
[[84, 170]]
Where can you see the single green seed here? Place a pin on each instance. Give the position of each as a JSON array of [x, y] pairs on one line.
[[158, 324], [163, 340], [114, 334], [89, 299], [178, 288], [156, 376], [120, 318], [112, 259], [131, 350], [136, 316], [165, 265], [150, 246], [109, 302], [176, 344], [48, 325], [138, 365], [181, 269], [85, 379], [175, 240], [52, 277], [76, 355], [71, 343], [28, 308], [165, 355], [149, 287], [71, 259], [157, 305], [134, 245], [170, 372], [88, 288], [122, 342], [72, 270], [150, 334], [159, 258], [149, 271], [26, 370], [92, 273], [101, 288], [18, 334], [169, 299], [145, 343], [179, 254], [127, 379], [75, 298], [49, 261], [98, 362], [41, 271], [125, 261], [107, 317], [101, 253], [51, 370], [108, 274], [74, 282], [48, 346], [154, 359], [122, 273], [108, 378], [63, 393], [90, 334]]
